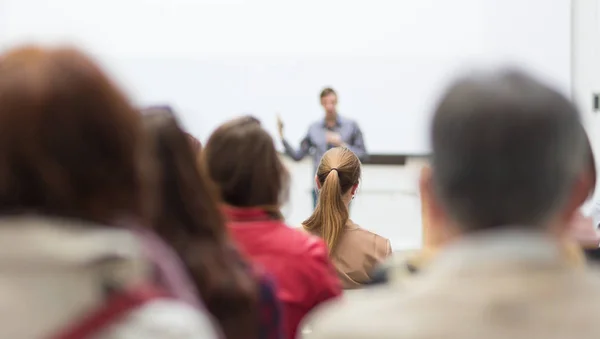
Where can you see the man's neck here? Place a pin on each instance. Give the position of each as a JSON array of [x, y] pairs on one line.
[[331, 120]]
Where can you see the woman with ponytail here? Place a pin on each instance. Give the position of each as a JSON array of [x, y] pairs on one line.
[[355, 252]]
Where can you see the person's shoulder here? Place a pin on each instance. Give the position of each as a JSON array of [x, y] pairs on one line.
[[303, 230], [164, 319], [365, 232], [308, 244], [347, 121], [304, 245], [356, 315], [300, 228], [316, 124], [591, 280], [381, 243]]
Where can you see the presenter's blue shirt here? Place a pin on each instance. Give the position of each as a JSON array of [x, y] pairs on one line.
[[315, 141]]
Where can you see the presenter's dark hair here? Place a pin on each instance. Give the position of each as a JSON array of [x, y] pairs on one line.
[[327, 91], [188, 218], [506, 151], [70, 142], [337, 173], [241, 159]]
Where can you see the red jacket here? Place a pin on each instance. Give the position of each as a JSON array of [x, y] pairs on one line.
[[299, 262]]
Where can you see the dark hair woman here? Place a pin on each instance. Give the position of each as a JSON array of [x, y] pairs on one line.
[[189, 219], [241, 159]]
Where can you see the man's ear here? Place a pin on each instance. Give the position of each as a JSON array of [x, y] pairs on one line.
[[580, 191], [588, 185], [432, 214], [317, 182]]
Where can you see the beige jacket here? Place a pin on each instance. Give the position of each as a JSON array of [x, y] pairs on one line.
[[357, 254], [53, 271], [512, 285]]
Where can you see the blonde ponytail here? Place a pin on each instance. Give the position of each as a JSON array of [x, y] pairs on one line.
[[331, 214], [338, 172]]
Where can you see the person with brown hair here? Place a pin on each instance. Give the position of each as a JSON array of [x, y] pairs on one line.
[[253, 183], [189, 219], [70, 169], [354, 251], [196, 144]]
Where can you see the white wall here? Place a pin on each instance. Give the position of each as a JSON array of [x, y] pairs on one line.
[[387, 202], [585, 52], [215, 59], [586, 67]]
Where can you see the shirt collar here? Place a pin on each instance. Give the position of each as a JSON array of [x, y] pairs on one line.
[[338, 121], [245, 214], [62, 240], [507, 248]]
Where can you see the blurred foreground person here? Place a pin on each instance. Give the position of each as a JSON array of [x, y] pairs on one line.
[[69, 171], [508, 173], [167, 109], [355, 252], [241, 159], [188, 218], [403, 265]]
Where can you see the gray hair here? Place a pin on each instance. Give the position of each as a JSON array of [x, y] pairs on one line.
[[506, 150]]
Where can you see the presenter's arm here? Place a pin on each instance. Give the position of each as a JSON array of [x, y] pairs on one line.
[[299, 154], [358, 144], [305, 144]]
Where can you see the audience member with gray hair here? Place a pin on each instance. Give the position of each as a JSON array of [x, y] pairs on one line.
[[508, 173]]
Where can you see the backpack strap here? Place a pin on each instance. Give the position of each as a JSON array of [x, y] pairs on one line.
[[118, 305]]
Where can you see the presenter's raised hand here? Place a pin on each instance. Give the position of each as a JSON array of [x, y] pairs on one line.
[[279, 126]]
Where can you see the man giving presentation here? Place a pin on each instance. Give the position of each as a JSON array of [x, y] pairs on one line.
[[331, 131]]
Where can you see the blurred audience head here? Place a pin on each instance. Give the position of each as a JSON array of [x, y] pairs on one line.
[[329, 101], [196, 145], [241, 159], [188, 217], [69, 139], [508, 152], [337, 178]]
